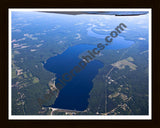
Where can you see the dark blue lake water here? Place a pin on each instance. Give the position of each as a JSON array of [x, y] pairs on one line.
[[75, 93]]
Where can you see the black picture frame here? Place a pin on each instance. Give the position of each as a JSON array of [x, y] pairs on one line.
[[153, 4]]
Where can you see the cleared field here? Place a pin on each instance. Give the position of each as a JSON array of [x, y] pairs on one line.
[[125, 62]]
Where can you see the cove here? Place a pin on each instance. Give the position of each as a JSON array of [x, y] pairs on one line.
[[118, 43]]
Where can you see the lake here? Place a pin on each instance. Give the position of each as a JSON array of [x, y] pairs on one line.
[[75, 93]]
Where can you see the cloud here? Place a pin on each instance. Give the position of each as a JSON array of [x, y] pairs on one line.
[[78, 36], [16, 30], [140, 38]]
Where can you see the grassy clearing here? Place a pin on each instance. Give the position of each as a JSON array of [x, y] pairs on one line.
[[35, 80]]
